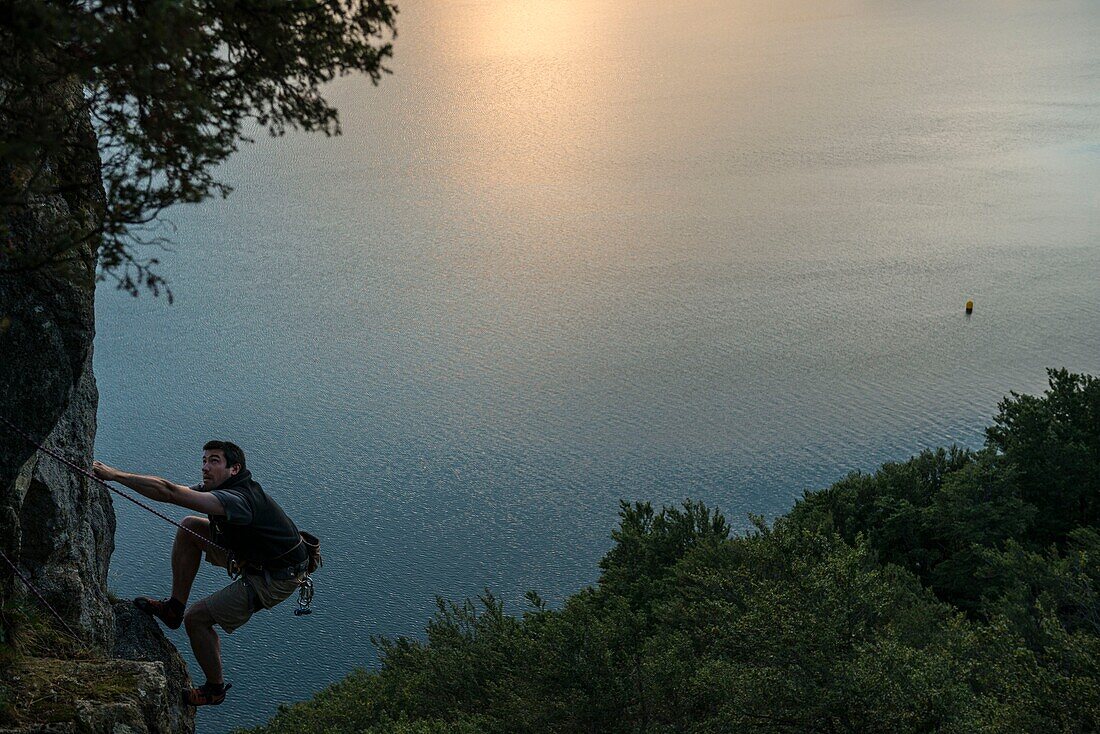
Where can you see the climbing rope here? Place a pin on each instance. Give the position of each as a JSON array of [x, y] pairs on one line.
[[38, 593], [15, 429], [305, 592]]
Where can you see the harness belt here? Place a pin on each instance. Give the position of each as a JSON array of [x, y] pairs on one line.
[[279, 574], [273, 564], [290, 572], [271, 567]]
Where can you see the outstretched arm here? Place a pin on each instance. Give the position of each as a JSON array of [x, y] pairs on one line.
[[161, 490]]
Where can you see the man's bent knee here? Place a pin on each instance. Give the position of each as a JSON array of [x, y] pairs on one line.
[[196, 525], [197, 618]]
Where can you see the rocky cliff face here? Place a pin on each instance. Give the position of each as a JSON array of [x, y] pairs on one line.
[[64, 524], [55, 525]]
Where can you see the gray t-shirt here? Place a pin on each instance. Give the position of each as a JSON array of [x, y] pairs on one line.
[[237, 510]]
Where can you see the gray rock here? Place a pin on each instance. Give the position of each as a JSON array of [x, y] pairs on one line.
[[66, 522], [56, 525], [104, 697], [47, 323], [137, 637]]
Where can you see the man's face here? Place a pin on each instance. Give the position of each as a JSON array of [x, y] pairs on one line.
[[214, 470]]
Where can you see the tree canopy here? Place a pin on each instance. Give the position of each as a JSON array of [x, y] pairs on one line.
[[958, 591], [168, 87]]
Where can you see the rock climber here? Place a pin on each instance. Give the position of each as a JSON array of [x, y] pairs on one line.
[[266, 550]]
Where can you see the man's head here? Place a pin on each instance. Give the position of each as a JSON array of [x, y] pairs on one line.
[[220, 460]]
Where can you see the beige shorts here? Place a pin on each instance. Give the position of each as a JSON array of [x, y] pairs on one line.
[[235, 604]]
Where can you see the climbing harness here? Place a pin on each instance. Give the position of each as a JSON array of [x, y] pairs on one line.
[[304, 570], [305, 591]]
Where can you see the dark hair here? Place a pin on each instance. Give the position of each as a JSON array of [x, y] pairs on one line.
[[234, 454]]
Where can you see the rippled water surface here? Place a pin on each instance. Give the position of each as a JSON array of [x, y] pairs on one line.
[[577, 252]]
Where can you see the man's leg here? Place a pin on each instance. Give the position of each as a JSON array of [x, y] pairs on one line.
[[187, 552], [204, 641], [208, 651], [187, 555]]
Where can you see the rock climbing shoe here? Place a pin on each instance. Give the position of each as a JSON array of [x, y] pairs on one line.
[[207, 694], [169, 611]]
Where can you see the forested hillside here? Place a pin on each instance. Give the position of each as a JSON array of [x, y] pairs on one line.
[[956, 591]]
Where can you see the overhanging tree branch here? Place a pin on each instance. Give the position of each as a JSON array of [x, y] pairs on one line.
[[168, 87]]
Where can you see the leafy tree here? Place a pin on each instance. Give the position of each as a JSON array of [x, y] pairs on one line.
[[648, 544], [942, 513], [163, 90], [1052, 443], [932, 595]]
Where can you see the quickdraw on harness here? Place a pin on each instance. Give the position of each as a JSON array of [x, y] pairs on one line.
[[305, 598], [314, 561], [312, 543]]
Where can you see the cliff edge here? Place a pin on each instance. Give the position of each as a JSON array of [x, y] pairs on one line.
[[56, 526]]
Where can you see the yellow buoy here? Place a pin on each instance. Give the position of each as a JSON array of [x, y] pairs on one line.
[[970, 307]]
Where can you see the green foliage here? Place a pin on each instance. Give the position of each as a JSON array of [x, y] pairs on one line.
[[1023, 585], [648, 544], [1052, 445], [943, 515], [168, 86], [929, 596]]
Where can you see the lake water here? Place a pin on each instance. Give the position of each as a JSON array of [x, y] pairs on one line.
[[576, 252]]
